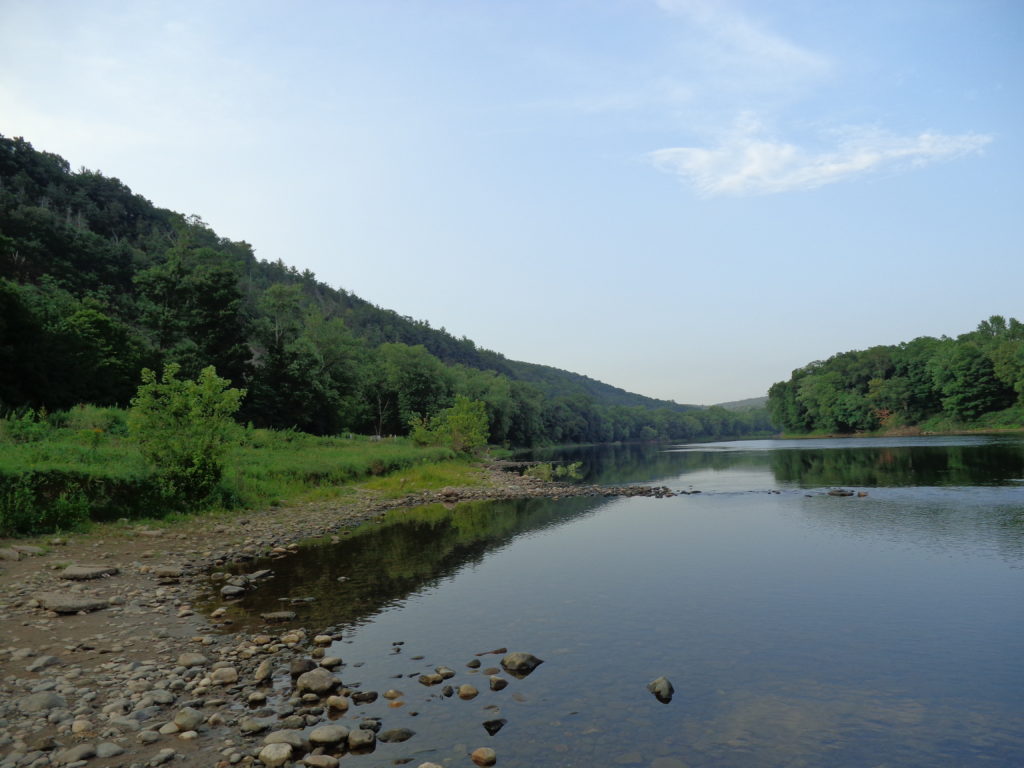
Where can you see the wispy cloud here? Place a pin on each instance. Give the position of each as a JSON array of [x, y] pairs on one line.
[[743, 55], [746, 162]]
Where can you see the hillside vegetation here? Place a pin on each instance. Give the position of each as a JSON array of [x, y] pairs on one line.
[[98, 283], [973, 381]]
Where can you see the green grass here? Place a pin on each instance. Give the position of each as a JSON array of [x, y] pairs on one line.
[[59, 472], [424, 477]]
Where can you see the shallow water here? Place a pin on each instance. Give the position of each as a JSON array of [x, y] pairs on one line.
[[798, 629]]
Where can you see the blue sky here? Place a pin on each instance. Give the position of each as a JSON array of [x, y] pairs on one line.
[[684, 198]]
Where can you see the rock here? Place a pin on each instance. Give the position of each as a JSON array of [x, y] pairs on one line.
[[224, 676], [164, 755], [662, 689], [230, 591], [293, 737], [88, 572], [396, 735], [493, 726], [484, 756], [60, 602], [473, 663], [298, 666], [192, 659], [74, 754], [168, 571], [431, 679], [329, 734], [520, 664], [108, 749], [274, 755], [321, 761], [188, 719], [251, 725], [318, 681], [337, 703], [840, 492], [446, 673], [497, 683], [9, 554], [391, 694], [40, 702], [361, 738], [330, 662], [323, 640], [263, 671], [468, 692], [364, 697], [42, 662], [429, 765]]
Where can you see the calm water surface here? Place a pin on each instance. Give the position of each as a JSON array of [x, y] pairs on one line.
[[799, 629]]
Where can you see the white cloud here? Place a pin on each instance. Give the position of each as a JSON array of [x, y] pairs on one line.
[[736, 50], [747, 163]]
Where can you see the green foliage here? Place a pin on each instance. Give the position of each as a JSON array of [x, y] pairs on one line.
[[463, 427], [183, 429], [99, 283], [931, 383]]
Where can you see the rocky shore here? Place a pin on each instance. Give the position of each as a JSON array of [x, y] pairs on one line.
[[105, 662]]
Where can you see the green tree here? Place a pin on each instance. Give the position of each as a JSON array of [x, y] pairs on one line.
[[183, 429]]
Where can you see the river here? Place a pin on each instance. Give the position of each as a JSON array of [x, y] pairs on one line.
[[798, 628]]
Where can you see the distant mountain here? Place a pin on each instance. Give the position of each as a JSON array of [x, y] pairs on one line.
[[750, 404], [96, 283]]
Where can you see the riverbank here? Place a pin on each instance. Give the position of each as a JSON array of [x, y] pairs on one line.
[[106, 661]]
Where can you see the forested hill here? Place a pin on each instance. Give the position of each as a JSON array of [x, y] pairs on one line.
[[97, 282], [974, 380]]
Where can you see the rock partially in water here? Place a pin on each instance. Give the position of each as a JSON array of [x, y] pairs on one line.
[[396, 735], [493, 726], [520, 664], [361, 739], [329, 735], [497, 683], [484, 756], [662, 689], [467, 692], [318, 681]]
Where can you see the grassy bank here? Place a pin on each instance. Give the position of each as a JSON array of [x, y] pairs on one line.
[[61, 471]]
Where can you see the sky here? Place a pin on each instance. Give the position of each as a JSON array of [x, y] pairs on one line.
[[684, 198]]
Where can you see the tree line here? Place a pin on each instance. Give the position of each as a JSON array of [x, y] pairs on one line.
[[976, 376], [97, 283]]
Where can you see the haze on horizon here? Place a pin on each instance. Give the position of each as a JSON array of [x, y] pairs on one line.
[[684, 198]]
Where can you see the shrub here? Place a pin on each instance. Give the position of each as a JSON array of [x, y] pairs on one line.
[[183, 429]]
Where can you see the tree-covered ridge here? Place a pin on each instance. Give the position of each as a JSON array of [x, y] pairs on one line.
[[957, 380], [96, 283]]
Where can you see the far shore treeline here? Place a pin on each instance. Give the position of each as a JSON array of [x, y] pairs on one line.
[[97, 283], [973, 381]]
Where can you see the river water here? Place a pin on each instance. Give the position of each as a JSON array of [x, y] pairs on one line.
[[798, 628]]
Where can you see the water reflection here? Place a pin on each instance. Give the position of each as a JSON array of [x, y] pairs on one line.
[[809, 463], [381, 563]]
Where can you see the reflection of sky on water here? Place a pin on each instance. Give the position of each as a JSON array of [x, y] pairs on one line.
[[798, 628]]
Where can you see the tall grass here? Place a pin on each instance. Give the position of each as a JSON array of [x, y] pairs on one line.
[[60, 471]]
